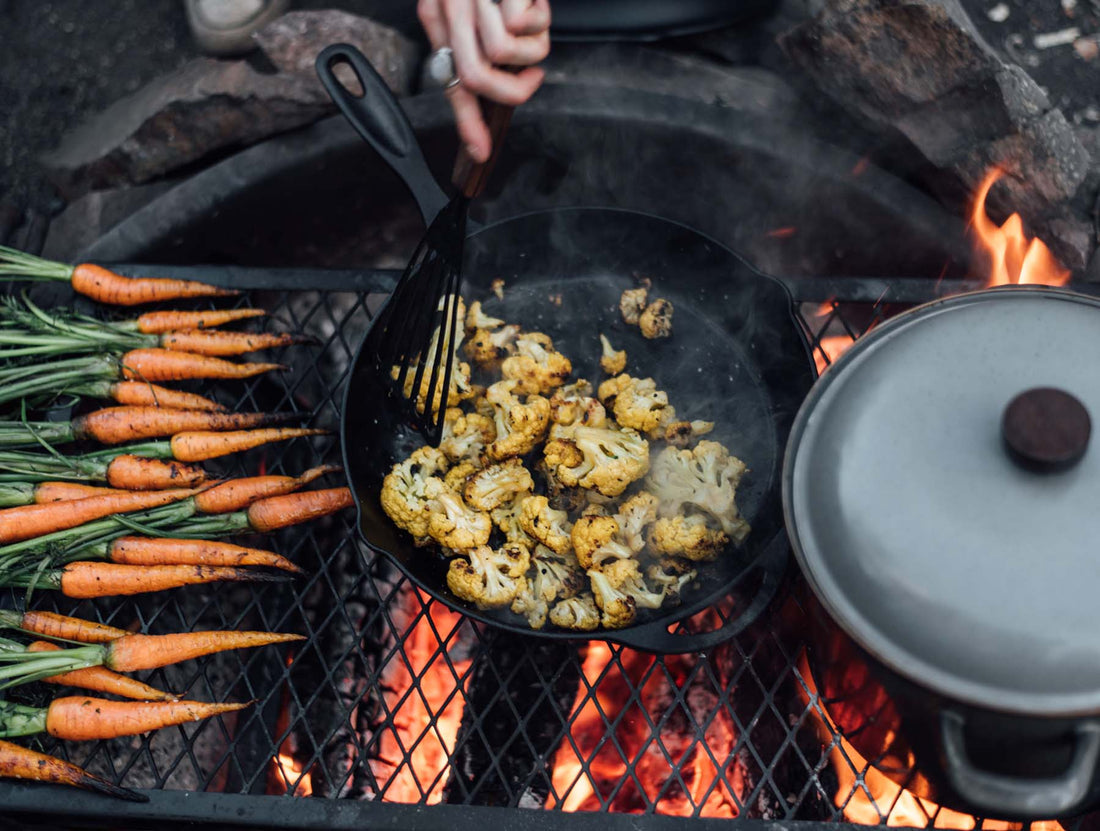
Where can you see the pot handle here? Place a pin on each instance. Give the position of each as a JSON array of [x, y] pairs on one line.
[[377, 117], [1018, 796], [655, 637]]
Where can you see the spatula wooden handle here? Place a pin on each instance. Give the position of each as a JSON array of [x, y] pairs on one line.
[[470, 176]]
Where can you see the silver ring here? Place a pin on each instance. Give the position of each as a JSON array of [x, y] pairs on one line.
[[441, 68]]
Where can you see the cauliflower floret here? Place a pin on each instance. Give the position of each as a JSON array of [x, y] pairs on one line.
[[456, 477], [610, 458], [531, 605], [642, 407], [477, 319], [451, 523], [625, 576], [536, 366], [670, 575], [574, 404], [632, 303], [487, 348], [562, 498], [493, 486], [546, 525], [577, 613], [465, 435], [612, 361], [687, 536], [489, 578], [618, 608], [682, 433], [556, 576], [633, 516], [520, 426], [608, 390], [596, 541], [656, 320], [704, 478], [404, 490], [506, 518]]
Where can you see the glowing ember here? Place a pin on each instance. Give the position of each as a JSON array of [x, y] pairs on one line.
[[785, 232], [287, 775], [424, 694], [292, 780], [1012, 257], [829, 349], [870, 798]]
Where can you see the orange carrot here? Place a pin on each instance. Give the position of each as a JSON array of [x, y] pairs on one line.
[[281, 511], [46, 492], [101, 679], [200, 446], [157, 323], [225, 344], [29, 521], [135, 473], [168, 365], [148, 551], [105, 286], [53, 625], [79, 718], [137, 652], [137, 393], [93, 579], [114, 425], [20, 763], [237, 494]]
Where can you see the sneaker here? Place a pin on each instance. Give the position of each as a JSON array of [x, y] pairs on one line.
[[225, 27]]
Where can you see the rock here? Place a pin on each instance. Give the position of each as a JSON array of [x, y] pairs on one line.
[[211, 105], [920, 68]]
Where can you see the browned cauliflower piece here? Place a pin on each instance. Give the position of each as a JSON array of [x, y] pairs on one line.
[[546, 525], [632, 303], [535, 366], [487, 348], [456, 477], [641, 406], [519, 426], [633, 516], [451, 523], [529, 603], [608, 390], [506, 518], [620, 591], [577, 613], [466, 435], [491, 487], [610, 458], [683, 433], [574, 404], [596, 541], [703, 479], [491, 579], [670, 576], [404, 490], [552, 578], [691, 537], [477, 319], [562, 498], [612, 361], [656, 320]]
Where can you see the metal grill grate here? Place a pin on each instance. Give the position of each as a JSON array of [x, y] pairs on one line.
[[394, 698]]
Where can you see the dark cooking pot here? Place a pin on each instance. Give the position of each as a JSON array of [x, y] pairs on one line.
[[951, 544]]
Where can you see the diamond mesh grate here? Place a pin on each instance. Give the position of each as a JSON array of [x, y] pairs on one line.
[[392, 696]]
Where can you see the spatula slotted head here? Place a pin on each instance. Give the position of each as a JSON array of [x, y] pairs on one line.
[[413, 340]]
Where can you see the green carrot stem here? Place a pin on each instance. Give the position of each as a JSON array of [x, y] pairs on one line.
[[23, 667], [15, 494], [18, 263], [33, 433], [24, 466], [21, 720]]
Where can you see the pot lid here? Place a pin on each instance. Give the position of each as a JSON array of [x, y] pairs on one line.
[[967, 567]]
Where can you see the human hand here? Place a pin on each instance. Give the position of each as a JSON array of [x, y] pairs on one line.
[[484, 36]]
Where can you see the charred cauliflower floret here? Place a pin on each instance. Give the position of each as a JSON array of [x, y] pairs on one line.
[[596, 541], [577, 613], [530, 604], [670, 576], [641, 406], [506, 518], [451, 523], [404, 490], [632, 303], [612, 361], [489, 578], [703, 479], [519, 426], [535, 366], [491, 487], [625, 576], [477, 319], [692, 537], [456, 477], [562, 497], [617, 608], [466, 435], [607, 458], [633, 516], [683, 433], [546, 525], [656, 320], [552, 578], [609, 390], [487, 348], [574, 404]]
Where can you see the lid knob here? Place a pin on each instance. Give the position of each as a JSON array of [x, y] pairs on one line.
[[1046, 429]]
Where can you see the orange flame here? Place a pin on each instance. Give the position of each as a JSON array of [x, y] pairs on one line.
[[289, 775], [1012, 257]]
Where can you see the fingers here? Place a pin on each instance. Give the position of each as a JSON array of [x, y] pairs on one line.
[[477, 74], [431, 17], [500, 46], [472, 130], [526, 17]]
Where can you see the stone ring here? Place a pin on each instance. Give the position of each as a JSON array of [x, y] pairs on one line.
[[441, 68]]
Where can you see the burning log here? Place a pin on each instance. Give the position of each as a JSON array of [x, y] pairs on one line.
[[919, 67]]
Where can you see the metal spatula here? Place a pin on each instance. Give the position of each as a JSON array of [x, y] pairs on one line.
[[413, 338]]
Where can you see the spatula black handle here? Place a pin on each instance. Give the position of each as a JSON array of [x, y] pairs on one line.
[[379, 119], [470, 176]]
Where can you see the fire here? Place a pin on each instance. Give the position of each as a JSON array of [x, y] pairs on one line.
[[287, 775], [829, 349], [877, 796], [290, 776], [1012, 257]]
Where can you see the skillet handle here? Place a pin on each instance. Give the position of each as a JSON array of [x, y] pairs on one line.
[[655, 637], [1016, 796], [379, 119]]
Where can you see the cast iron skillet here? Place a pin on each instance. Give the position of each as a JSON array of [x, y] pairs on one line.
[[736, 357]]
